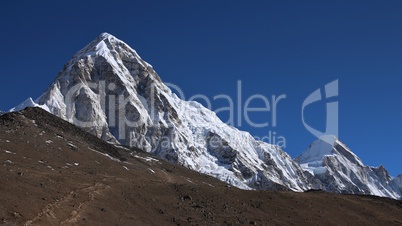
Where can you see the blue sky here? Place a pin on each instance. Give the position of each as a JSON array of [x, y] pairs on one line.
[[205, 47]]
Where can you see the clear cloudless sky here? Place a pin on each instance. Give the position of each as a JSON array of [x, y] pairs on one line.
[[205, 47]]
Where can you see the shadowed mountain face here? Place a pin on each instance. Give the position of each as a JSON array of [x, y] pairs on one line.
[[55, 173]]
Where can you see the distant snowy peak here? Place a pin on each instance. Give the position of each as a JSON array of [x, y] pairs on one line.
[[318, 149], [28, 103], [340, 170], [328, 145], [398, 182], [381, 172]]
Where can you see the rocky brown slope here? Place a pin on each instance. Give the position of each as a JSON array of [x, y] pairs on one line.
[[55, 174]]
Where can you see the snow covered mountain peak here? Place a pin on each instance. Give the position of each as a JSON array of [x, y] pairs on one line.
[[340, 170], [325, 146], [106, 35], [111, 48], [28, 103], [398, 182], [319, 148], [108, 90]]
